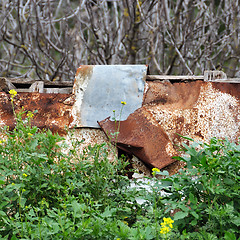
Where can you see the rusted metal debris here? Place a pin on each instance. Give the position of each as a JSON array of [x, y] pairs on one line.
[[149, 130], [53, 110], [142, 137], [100, 89], [200, 110]]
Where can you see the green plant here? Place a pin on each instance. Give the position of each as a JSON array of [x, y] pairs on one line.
[[44, 195], [204, 197]]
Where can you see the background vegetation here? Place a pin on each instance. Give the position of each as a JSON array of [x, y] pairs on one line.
[[49, 39]]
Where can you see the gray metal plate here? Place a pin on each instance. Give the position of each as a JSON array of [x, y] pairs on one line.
[[100, 89]]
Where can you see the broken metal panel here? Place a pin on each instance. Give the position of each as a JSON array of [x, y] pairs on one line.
[[200, 110], [143, 137], [53, 110], [99, 90]]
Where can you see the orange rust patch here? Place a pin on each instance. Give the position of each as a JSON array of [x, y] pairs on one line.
[[84, 70], [229, 88], [177, 95], [52, 113], [141, 137]]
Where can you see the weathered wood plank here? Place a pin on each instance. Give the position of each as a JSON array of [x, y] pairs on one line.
[[172, 78], [29, 81]]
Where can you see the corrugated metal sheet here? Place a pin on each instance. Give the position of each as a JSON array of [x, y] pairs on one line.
[[100, 89]]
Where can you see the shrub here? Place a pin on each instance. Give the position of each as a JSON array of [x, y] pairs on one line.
[[204, 196]]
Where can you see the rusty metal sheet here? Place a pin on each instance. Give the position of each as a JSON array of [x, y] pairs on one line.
[[142, 137], [99, 90], [200, 110], [53, 110]]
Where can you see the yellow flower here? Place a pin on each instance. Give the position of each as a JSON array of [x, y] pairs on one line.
[[164, 230], [168, 221], [13, 184], [30, 114], [29, 134], [24, 174], [123, 103], [154, 171], [166, 225], [13, 92]]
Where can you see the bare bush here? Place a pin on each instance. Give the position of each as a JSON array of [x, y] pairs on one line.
[[49, 39]]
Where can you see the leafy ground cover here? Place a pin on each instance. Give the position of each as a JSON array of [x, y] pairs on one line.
[[47, 193]]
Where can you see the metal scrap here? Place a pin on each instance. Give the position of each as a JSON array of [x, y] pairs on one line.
[[152, 119], [142, 137], [200, 110], [100, 89], [51, 111]]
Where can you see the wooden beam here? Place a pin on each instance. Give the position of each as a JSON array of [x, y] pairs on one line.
[[174, 78], [29, 81]]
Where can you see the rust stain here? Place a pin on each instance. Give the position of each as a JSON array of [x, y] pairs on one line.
[[230, 88], [82, 72], [52, 111], [84, 69], [177, 95], [200, 110], [141, 137]]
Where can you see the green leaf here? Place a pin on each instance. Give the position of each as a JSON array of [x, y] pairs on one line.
[[2, 182], [22, 202], [192, 199], [184, 137], [163, 173], [229, 236], [194, 222], [14, 237], [180, 215], [228, 181], [2, 213], [194, 214], [236, 221]]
